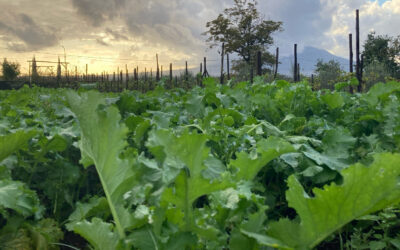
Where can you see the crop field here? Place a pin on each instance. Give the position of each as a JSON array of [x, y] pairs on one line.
[[234, 166]]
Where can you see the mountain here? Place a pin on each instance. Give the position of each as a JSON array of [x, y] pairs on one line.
[[308, 59]]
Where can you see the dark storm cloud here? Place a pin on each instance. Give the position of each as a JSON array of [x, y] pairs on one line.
[[175, 23], [32, 35], [98, 11]]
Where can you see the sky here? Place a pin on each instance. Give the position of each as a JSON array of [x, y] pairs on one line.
[[107, 34]]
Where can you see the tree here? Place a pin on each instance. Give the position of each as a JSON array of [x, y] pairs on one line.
[[243, 31], [328, 73], [10, 70], [383, 50]]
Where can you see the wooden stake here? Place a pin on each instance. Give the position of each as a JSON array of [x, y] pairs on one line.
[[186, 72], [259, 64], [205, 73], [227, 67], [221, 80], [158, 70], [127, 74], [276, 62], [358, 73], [351, 58], [295, 64], [298, 72]]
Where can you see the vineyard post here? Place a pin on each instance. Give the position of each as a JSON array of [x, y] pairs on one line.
[[151, 79], [361, 70], [170, 75], [221, 80], [298, 72], [276, 62], [186, 72], [161, 72], [227, 67], [351, 53], [251, 72], [86, 77], [127, 74], [295, 64], [351, 58], [312, 81], [158, 70], [259, 64], [358, 50], [205, 73], [127, 77], [134, 77], [120, 81]]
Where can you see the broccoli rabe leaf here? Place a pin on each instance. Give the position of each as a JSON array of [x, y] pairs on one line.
[[365, 189]]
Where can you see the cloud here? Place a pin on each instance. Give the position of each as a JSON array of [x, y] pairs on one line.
[[177, 24], [101, 42], [98, 11], [117, 35], [382, 18], [31, 35]]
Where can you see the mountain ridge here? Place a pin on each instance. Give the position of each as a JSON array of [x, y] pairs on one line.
[[307, 59]]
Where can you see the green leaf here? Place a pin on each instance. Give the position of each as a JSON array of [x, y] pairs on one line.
[[338, 142], [268, 149], [99, 234], [102, 140], [334, 100], [96, 206], [15, 195], [143, 239], [380, 90], [190, 184], [265, 240], [364, 190], [332, 162], [19, 240], [181, 241], [13, 142]]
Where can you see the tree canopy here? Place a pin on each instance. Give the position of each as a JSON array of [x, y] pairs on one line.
[[10, 70], [328, 72], [384, 50], [243, 30]]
